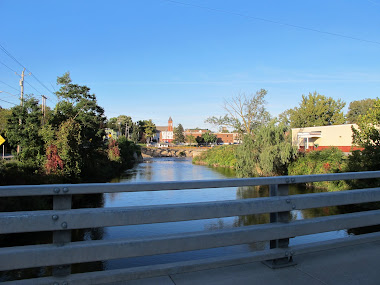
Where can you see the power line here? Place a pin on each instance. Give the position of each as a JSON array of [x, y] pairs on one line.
[[33, 87], [12, 57], [9, 86], [9, 93], [7, 67], [273, 22], [8, 102]]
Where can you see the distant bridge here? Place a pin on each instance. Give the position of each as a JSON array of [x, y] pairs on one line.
[[62, 220]]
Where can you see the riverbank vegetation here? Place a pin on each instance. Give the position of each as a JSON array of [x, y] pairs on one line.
[[266, 148], [221, 156], [66, 144]]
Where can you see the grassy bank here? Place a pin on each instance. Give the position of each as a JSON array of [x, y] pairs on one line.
[[218, 156]]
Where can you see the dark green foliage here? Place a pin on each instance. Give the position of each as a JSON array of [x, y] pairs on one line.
[[208, 137], [79, 105], [23, 126], [67, 145], [200, 140], [223, 156], [331, 160], [367, 136], [267, 153], [316, 110], [358, 108], [178, 134]]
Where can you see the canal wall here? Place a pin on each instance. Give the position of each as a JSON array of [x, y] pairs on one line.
[[148, 152]]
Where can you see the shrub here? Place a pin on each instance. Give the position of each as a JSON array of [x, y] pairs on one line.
[[330, 160]]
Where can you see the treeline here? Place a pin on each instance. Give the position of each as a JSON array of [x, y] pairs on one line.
[[64, 144], [267, 150]]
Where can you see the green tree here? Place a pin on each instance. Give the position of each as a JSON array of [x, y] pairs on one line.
[[135, 133], [149, 130], [68, 142], [368, 133], [358, 108], [317, 110], [367, 136], [208, 137], [244, 112], [178, 134], [124, 122], [200, 140], [76, 102], [266, 153], [4, 115], [23, 129], [190, 139]]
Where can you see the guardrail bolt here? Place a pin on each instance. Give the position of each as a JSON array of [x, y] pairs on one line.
[[55, 217], [56, 190], [287, 180], [65, 190], [293, 180], [293, 207], [64, 225], [55, 283], [65, 283], [292, 252], [288, 201], [286, 253]]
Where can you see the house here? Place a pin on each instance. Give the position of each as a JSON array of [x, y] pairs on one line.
[[318, 138]]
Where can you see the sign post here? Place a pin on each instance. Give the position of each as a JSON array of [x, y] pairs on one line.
[[2, 140]]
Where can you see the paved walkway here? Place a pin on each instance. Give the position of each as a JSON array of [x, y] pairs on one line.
[[359, 265]]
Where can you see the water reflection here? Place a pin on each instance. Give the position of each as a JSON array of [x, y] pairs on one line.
[[166, 169]]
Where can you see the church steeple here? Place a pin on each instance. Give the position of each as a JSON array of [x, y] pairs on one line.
[[170, 124]]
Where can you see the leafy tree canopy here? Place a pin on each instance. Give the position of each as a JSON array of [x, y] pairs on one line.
[[178, 133], [149, 129], [190, 139], [368, 133], [317, 110], [208, 137], [78, 104], [4, 115], [244, 112], [358, 108], [266, 153], [23, 126]]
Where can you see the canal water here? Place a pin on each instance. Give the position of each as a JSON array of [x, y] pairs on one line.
[[177, 169], [168, 169]]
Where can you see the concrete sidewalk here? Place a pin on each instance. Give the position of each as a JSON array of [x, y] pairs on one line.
[[358, 264]]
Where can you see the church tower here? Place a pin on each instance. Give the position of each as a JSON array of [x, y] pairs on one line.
[[170, 124]]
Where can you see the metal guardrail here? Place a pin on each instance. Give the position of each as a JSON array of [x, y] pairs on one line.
[[62, 219]]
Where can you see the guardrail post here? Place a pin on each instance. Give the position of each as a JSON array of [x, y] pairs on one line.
[[280, 217], [61, 237]]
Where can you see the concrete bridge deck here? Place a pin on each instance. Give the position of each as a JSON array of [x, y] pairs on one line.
[[342, 266]]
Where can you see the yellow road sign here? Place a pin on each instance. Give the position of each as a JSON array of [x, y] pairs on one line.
[[2, 140]]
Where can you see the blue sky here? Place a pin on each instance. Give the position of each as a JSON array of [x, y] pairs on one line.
[[152, 59]]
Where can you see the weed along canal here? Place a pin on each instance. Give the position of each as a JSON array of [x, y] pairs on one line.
[[168, 169]]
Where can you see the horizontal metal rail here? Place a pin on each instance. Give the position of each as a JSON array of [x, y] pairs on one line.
[[62, 189], [87, 251], [52, 220], [122, 275]]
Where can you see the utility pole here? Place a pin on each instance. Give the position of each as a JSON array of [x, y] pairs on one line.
[[43, 108], [21, 98]]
